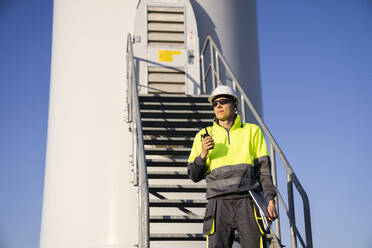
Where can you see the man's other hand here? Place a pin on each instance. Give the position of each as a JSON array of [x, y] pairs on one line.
[[272, 211]]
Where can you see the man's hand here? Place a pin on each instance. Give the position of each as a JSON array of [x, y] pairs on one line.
[[207, 144], [271, 210]]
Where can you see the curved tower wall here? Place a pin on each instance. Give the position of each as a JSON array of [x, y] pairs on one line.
[[89, 200], [233, 26]]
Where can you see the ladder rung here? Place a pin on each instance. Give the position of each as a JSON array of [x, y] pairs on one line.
[[177, 203], [176, 218], [165, 98], [175, 106], [171, 129], [168, 141], [177, 114], [167, 175], [176, 236], [175, 123], [172, 162], [174, 132], [177, 188], [183, 111], [167, 151]]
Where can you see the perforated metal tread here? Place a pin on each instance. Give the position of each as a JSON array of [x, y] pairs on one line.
[[177, 188], [177, 203], [170, 123], [168, 151], [176, 236], [176, 218]]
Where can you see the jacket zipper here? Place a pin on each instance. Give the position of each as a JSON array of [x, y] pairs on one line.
[[228, 135]]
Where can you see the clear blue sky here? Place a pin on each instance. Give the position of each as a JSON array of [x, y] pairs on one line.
[[316, 71]]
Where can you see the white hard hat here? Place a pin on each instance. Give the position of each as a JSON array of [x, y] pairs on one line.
[[223, 90]]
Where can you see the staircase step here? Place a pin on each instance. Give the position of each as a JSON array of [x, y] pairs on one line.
[[173, 131], [200, 188], [178, 114], [176, 106], [175, 123], [177, 236], [173, 98], [169, 124], [197, 203], [176, 218], [167, 175], [167, 151], [169, 141], [172, 162]]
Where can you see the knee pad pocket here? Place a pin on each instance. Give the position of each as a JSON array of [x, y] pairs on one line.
[[209, 218]]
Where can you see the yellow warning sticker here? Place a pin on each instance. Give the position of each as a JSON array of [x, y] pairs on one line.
[[167, 56]]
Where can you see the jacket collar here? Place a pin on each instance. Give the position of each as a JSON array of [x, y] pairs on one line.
[[237, 123]]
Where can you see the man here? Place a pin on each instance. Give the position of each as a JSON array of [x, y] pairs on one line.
[[234, 159]]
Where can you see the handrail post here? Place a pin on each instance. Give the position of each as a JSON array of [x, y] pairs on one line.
[[275, 182], [138, 146], [129, 90], [134, 155], [217, 68], [242, 103], [212, 67], [306, 207], [291, 209], [204, 90]]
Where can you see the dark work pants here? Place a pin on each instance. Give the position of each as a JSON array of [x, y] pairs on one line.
[[231, 215]]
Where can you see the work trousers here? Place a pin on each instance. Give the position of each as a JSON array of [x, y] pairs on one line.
[[231, 215]]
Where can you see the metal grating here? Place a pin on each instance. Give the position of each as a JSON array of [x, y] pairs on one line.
[[166, 26]]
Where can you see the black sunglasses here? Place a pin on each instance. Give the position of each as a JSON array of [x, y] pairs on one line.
[[221, 101]]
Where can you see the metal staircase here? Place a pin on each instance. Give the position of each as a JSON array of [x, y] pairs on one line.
[[163, 126], [169, 124]]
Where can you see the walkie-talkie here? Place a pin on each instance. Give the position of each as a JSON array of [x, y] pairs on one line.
[[206, 133]]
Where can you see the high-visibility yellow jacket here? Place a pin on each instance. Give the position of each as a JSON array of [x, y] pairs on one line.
[[238, 162]]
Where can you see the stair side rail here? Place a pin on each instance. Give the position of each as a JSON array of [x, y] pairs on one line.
[[138, 154], [214, 68]]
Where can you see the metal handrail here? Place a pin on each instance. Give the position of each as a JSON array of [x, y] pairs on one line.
[[215, 57], [139, 163]]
